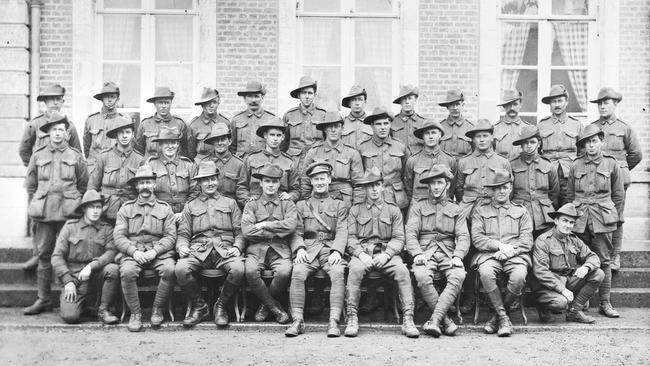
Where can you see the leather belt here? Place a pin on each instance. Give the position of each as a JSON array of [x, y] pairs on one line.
[[320, 235]]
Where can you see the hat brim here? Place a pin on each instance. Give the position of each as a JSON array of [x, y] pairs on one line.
[[507, 101], [201, 101], [556, 214], [471, 133], [583, 138], [521, 140], [46, 127], [366, 182], [41, 97], [618, 100], [133, 181], [448, 102], [153, 99], [497, 184], [99, 96], [547, 99], [215, 174], [261, 130], [321, 126], [373, 117], [427, 179], [157, 139], [112, 134], [261, 176], [346, 100], [243, 93], [398, 99], [295, 93], [420, 131], [212, 139], [79, 209]]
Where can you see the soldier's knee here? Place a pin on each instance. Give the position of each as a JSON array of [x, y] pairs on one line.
[[402, 273], [456, 276], [422, 275], [300, 272], [559, 303], [283, 271], [598, 275], [69, 315], [486, 273], [111, 271], [237, 272], [166, 271], [128, 271], [182, 269], [336, 271]]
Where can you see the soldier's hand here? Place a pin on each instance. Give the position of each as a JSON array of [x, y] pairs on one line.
[[260, 225], [140, 257], [233, 252], [380, 260], [301, 256], [177, 217], [184, 252], [568, 294], [334, 258], [70, 292], [419, 260], [507, 249], [284, 196], [366, 259], [457, 262], [581, 272], [500, 256], [84, 274], [151, 255], [250, 199]]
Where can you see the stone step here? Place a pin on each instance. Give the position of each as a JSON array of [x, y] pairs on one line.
[[636, 228], [12, 273], [631, 278], [636, 254]]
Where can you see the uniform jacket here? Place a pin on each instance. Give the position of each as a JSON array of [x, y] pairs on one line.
[[281, 218], [174, 183], [375, 227], [33, 138], [474, 171], [243, 127], [402, 129], [559, 137], [418, 165], [536, 187], [312, 235], [95, 128], [302, 132], [231, 171], [249, 186], [355, 131], [389, 156], [454, 142], [621, 143], [150, 127], [505, 132], [200, 128]]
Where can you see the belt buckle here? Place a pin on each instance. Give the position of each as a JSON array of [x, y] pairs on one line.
[[321, 235]]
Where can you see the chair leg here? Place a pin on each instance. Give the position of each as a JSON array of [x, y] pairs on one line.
[[458, 313], [123, 310], [188, 308], [235, 304], [244, 303], [523, 311], [170, 306], [477, 301]]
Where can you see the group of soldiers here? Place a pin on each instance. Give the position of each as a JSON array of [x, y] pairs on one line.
[[398, 196]]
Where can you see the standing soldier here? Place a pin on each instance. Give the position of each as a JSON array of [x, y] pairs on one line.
[[387, 154], [269, 224], [455, 141], [354, 130], [419, 164], [620, 142], [150, 127], [568, 272], [209, 236], [437, 238], [509, 126], [407, 120], [83, 262], [97, 124], [231, 168], [322, 236], [201, 125], [559, 133], [56, 179], [535, 181], [301, 120], [244, 124], [145, 235], [375, 242], [114, 168], [595, 186], [502, 233], [249, 188], [344, 159]]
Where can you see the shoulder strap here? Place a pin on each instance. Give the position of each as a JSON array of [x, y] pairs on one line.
[[317, 216]]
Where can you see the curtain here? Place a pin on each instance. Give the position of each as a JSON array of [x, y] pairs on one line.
[[512, 51], [572, 41], [121, 36]]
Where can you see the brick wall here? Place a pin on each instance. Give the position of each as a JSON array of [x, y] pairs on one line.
[[635, 71], [448, 53], [247, 48]]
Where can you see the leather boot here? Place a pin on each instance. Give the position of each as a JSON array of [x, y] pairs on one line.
[[262, 313], [198, 312], [510, 301], [408, 327], [107, 317], [333, 330], [505, 326], [432, 326], [296, 328], [449, 327], [492, 325], [545, 315], [38, 307], [156, 317], [616, 262], [135, 323], [352, 328], [575, 315], [280, 315], [30, 265], [607, 309], [219, 310]]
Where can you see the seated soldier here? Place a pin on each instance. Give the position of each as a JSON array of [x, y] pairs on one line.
[[145, 234], [322, 229], [437, 238], [209, 236], [83, 261], [231, 168], [268, 225], [375, 242], [502, 233], [568, 272]]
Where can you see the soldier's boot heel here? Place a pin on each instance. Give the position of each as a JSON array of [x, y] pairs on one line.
[[607, 309], [449, 327], [135, 323], [296, 328], [491, 326], [197, 314], [432, 326], [107, 317], [333, 330], [577, 316], [221, 318], [408, 327], [156, 317], [545, 315], [352, 328], [505, 326], [38, 307], [280, 315], [262, 313]]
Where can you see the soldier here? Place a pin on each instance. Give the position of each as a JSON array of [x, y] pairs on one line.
[[201, 125], [269, 224], [535, 181], [244, 124], [568, 272], [407, 120], [114, 167], [419, 165], [209, 236], [56, 178], [455, 141], [151, 126], [345, 160], [509, 126], [375, 242], [559, 133], [437, 238], [322, 236], [595, 186], [502, 233], [145, 235], [248, 187], [386, 154], [354, 130], [97, 124], [231, 168], [174, 173], [620, 142], [301, 120], [83, 262]]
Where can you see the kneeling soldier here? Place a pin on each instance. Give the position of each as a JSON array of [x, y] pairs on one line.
[[438, 239], [145, 234], [502, 233], [322, 222], [209, 236], [567, 270], [375, 241], [82, 260]]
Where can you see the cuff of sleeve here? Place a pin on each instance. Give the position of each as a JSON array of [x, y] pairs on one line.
[[94, 265], [131, 250], [69, 278], [560, 287], [391, 253], [357, 252]]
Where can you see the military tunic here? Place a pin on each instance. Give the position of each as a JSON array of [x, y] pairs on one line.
[[174, 183], [33, 138], [505, 132], [95, 139], [454, 142], [419, 165], [301, 127], [200, 128], [355, 131], [474, 171], [402, 129], [389, 156], [559, 137], [621, 142], [243, 127], [151, 126], [231, 171], [249, 186]]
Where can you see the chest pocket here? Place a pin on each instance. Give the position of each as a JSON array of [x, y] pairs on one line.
[[385, 225], [547, 139], [447, 222], [541, 177], [364, 226], [202, 147], [341, 168], [615, 140], [603, 180], [557, 259], [472, 178], [221, 218], [152, 147], [98, 138], [513, 218], [68, 165], [200, 219], [44, 168], [490, 224], [369, 159], [136, 222], [243, 135], [183, 177], [228, 183], [157, 220], [569, 139]]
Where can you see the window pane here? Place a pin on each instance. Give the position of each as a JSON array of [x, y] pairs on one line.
[[570, 7], [123, 4], [173, 4], [127, 78], [374, 6], [377, 82], [174, 38], [373, 41], [519, 43], [528, 7], [569, 44], [320, 5], [179, 79], [526, 82], [322, 41], [328, 95], [575, 82], [121, 37]]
